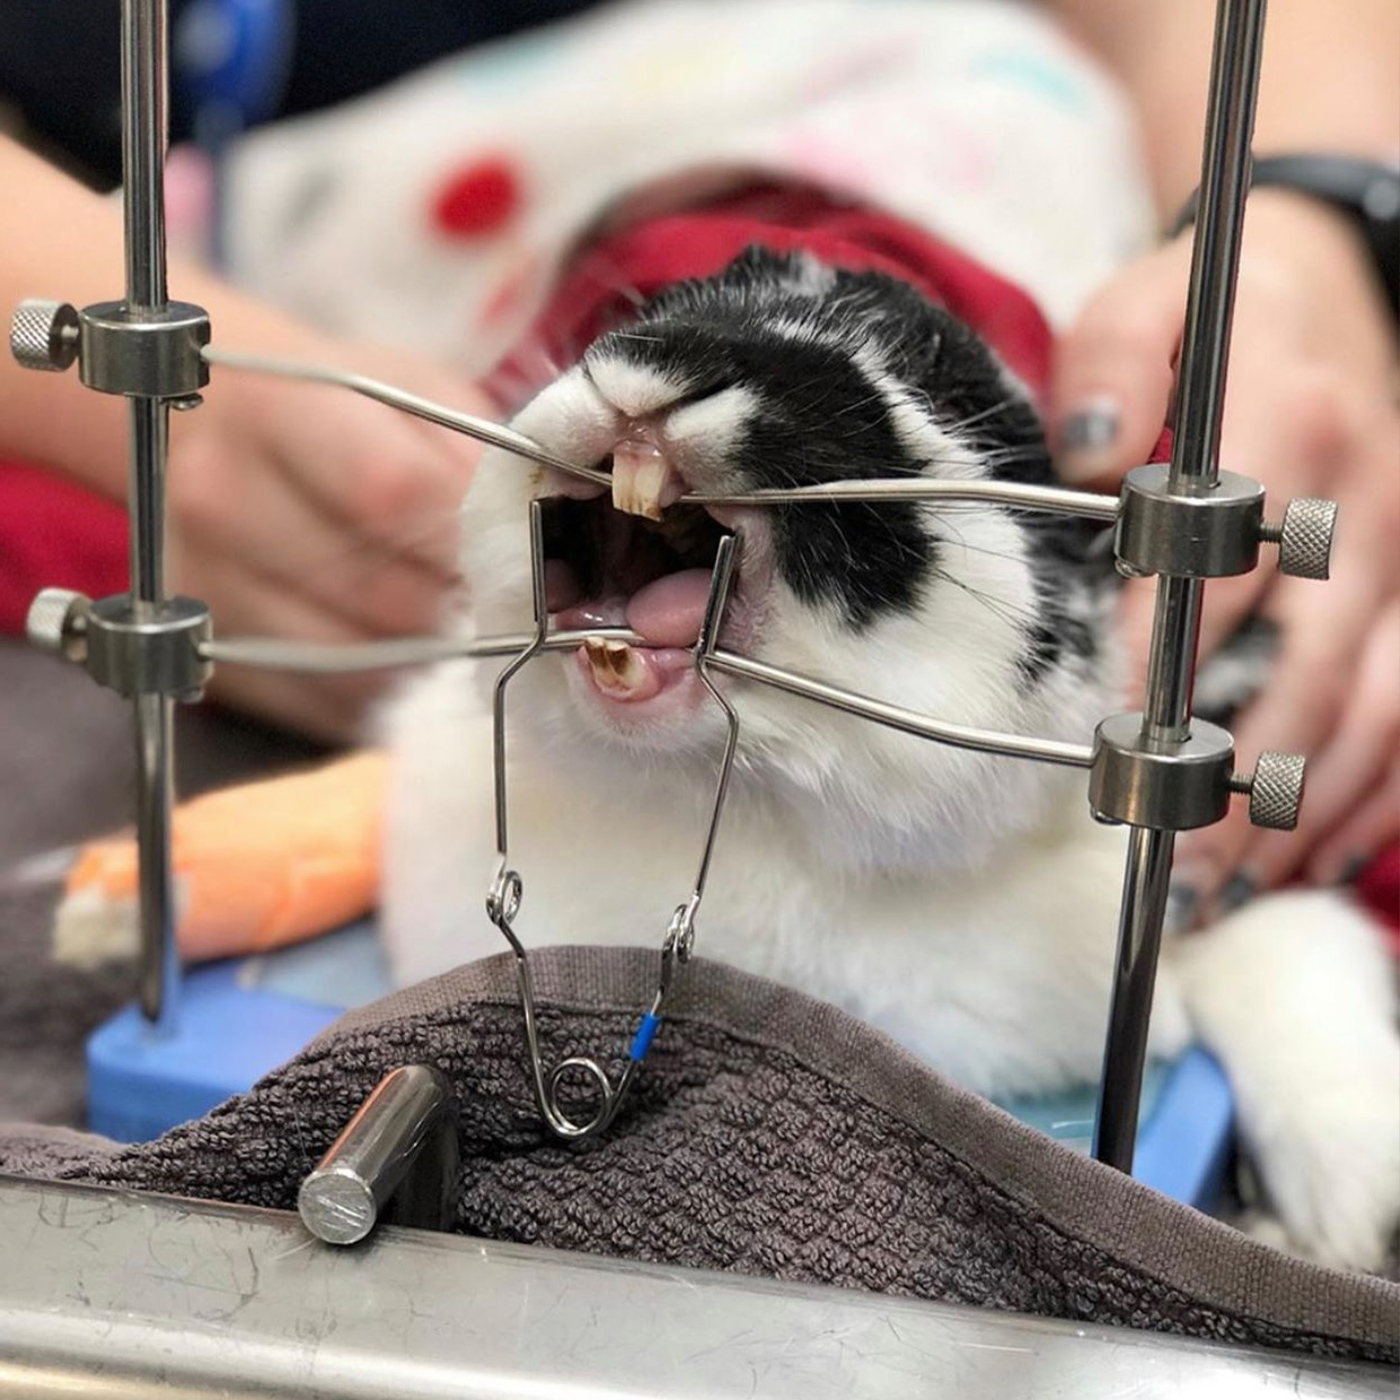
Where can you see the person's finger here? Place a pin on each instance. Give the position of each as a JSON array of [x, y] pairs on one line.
[[242, 603], [378, 469], [1290, 428], [1323, 629], [1351, 764], [1372, 825], [1227, 603], [1324, 625], [257, 518], [379, 474], [315, 706], [390, 491], [1113, 371]]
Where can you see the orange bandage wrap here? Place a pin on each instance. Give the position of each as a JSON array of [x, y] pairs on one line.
[[256, 867]]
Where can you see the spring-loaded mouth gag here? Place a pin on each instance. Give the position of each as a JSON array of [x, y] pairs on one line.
[[507, 890], [1184, 784]]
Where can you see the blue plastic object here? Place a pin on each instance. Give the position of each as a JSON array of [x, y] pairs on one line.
[[646, 1033], [1184, 1146], [243, 1018], [232, 62], [234, 55], [238, 1020], [1186, 1125]]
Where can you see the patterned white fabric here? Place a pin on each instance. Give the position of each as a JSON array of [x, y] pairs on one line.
[[436, 214]]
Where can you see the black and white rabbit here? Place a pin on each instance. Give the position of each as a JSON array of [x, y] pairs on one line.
[[963, 903]]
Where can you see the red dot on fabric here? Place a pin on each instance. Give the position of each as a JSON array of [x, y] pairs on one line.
[[477, 200]]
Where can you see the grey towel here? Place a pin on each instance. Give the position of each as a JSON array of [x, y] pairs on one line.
[[47, 1011], [772, 1135]]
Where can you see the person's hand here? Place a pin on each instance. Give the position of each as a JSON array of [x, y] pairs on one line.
[[1310, 411], [307, 512]]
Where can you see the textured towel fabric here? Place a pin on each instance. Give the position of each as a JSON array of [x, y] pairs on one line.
[[770, 1135], [47, 1012]]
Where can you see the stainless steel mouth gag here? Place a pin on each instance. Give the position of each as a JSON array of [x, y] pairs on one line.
[[507, 891], [1157, 772]]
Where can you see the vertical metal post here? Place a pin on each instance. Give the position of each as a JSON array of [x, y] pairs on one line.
[[144, 91], [1225, 167]]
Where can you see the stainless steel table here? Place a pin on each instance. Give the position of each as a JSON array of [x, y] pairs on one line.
[[109, 1294]]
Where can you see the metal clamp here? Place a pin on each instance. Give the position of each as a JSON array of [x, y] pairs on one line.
[[1168, 786], [1204, 533], [119, 350], [396, 1161], [157, 354], [149, 649], [134, 649], [1179, 785], [1215, 531]]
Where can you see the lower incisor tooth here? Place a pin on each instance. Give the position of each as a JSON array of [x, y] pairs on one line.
[[615, 665], [627, 665]]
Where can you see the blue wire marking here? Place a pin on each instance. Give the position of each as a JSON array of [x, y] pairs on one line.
[[646, 1033]]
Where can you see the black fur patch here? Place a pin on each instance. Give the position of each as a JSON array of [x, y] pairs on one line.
[[819, 419]]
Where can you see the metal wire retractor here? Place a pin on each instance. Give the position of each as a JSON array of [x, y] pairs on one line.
[[507, 891]]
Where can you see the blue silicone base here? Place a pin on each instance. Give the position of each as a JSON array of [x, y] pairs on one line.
[[1186, 1121], [238, 1020], [141, 1083]]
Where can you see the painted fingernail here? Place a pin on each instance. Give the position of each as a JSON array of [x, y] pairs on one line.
[[1238, 890], [1183, 908], [1087, 437], [1352, 870]]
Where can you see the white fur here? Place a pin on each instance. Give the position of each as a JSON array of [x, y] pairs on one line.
[[634, 390], [1295, 994], [963, 903], [710, 424]]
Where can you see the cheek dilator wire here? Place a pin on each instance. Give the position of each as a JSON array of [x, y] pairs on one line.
[[507, 891]]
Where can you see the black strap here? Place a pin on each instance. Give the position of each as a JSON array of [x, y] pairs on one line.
[[1367, 190]]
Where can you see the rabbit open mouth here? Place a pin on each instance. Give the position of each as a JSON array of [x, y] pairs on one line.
[[643, 561]]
